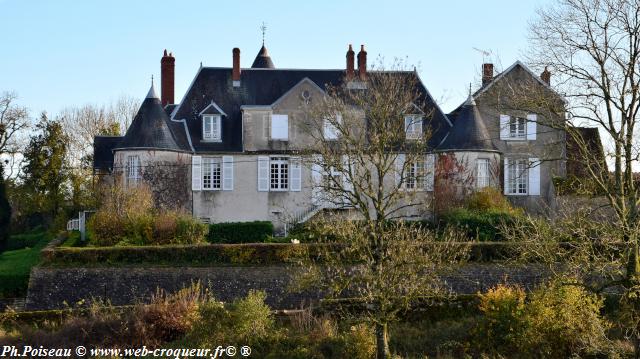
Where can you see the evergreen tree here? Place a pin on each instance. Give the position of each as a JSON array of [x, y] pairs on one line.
[[5, 211], [45, 174]]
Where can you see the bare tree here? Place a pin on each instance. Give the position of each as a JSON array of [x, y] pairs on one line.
[[82, 124], [14, 121], [593, 49], [369, 154]]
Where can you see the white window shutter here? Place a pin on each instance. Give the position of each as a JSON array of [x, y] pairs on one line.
[[279, 127], [316, 175], [504, 126], [295, 174], [430, 164], [399, 169], [227, 173], [532, 121], [196, 173], [506, 176], [263, 173], [534, 176]]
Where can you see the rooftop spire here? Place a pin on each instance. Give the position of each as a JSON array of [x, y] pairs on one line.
[[264, 30], [152, 91], [470, 100]]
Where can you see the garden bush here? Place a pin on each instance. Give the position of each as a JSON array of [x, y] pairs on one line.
[[482, 226], [240, 232], [502, 324], [553, 321], [127, 217]]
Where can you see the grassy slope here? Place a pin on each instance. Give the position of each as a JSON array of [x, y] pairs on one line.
[[15, 267]]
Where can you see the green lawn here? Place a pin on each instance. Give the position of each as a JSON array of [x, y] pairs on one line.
[[15, 266]]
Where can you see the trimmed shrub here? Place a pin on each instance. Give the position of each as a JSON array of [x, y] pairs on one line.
[[490, 199], [240, 232], [482, 226]]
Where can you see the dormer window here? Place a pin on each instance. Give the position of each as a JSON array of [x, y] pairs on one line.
[[413, 127], [211, 128]]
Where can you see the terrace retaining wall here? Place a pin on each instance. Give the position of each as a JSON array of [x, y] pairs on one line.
[[54, 288]]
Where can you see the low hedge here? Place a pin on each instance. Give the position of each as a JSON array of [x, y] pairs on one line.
[[479, 225], [240, 232], [216, 254]]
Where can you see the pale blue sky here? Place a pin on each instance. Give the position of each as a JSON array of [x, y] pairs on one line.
[[67, 53]]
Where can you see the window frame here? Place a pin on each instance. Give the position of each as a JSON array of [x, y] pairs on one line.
[[215, 134], [518, 181], [415, 123], [517, 128], [134, 172], [416, 176], [483, 181], [208, 169], [282, 174]]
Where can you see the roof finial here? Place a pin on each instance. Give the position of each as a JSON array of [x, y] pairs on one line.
[[151, 80], [470, 100], [264, 30]]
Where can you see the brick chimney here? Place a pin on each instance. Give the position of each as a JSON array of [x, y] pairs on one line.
[[487, 73], [350, 63], [546, 76], [362, 63], [167, 78], [235, 74]]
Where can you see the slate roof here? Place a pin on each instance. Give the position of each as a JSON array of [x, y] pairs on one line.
[[469, 132], [103, 151], [263, 60], [151, 128], [262, 87], [576, 162]]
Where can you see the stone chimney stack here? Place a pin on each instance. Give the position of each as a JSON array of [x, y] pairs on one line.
[[362, 63], [546, 76], [487, 73], [350, 63], [167, 78], [235, 75]]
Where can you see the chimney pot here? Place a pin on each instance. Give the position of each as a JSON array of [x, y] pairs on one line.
[[235, 75], [350, 63], [487, 73], [546, 76], [167, 78], [362, 63]]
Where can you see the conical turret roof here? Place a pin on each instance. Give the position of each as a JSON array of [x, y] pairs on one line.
[[469, 132], [150, 128], [263, 61]]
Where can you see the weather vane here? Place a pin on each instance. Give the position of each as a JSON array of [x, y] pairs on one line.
[[264, 30]]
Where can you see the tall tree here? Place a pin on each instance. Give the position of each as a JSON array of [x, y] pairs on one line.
[[5, 211], [592, 47], [369, 155], [45, 172], [14, 120]]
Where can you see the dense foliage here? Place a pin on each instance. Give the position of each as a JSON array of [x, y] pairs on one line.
[[127, 217], [240, 232]]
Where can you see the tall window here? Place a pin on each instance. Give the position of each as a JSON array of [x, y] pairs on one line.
[[482, 172], [415, 177], [133, 169], [279, 173], [518, 176], [413, 126], [211, 173], [211, 128], [518, 127]]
